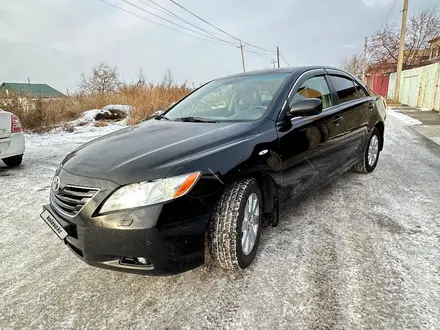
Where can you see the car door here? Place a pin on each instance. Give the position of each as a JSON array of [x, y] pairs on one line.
[[354, 103], [309, 146]]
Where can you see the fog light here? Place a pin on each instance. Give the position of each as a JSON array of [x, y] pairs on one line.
[[137, 261], [142, 260]]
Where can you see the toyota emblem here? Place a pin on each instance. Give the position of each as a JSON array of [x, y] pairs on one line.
[[56, 183]]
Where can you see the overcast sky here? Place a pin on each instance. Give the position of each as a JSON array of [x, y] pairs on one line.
[[54, 41]]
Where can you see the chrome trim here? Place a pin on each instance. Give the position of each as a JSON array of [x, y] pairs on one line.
[[293, 87], [296, 82], [81, 187], [57, 208]]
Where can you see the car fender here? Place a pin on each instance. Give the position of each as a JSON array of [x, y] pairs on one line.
[[254, 156]]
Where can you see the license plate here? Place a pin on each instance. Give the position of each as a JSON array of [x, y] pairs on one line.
[[53, 224], [4, 146]]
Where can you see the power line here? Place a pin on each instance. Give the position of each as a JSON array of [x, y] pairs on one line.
[[257, 54], [171, 14], [161, 9], [381, 15], [230, 35], [154, 22], [211, 39], [284, 59], [167, 20], [386, 13]]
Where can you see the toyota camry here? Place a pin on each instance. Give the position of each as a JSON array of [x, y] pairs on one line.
[[212, 170]]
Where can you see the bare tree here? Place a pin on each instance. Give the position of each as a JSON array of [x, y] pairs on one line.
[[141, 80], [353, 64], [421, 28], [104, 79], [168, 79]]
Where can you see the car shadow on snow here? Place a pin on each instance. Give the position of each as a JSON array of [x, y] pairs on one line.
[[297, 209], [8, 171]]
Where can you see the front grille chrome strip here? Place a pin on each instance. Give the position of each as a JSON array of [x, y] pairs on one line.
[[70, 200]]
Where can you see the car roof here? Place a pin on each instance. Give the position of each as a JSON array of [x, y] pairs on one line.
[[287, 70]]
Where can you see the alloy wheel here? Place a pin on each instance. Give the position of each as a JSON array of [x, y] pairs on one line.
[[373, 150], [251, 220]]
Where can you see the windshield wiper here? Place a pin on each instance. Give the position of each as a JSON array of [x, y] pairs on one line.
[[196, 120], [162, 116]]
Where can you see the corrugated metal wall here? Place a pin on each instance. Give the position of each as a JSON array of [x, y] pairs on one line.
[[419, 87]]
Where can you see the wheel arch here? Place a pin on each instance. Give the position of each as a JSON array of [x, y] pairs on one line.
[[270, 195], [269, 190]]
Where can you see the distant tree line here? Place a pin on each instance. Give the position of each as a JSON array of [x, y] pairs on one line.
[[106, 79]]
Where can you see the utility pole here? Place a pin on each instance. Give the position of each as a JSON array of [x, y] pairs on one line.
[[364, 66], [401, 50], [278, 56], [242, 57], [273, 63]]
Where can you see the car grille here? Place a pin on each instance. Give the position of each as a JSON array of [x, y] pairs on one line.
[[71, 199]]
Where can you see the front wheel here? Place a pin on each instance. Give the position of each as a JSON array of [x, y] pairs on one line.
[[234, 230], [371, 154], [13, 161]]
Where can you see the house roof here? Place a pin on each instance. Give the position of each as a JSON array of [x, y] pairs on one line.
[[38, 90]]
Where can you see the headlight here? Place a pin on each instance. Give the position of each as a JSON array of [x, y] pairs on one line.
[[149, 193]]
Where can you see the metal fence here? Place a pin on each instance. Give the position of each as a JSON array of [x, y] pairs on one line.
[[419, 87]]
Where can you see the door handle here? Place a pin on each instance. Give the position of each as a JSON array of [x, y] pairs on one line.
[[337, 120]]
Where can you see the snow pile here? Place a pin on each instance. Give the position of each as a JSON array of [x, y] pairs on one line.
[[90, 115], [404, 119], [112, 114]]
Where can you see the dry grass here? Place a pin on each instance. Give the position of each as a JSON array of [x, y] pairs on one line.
[[101, 124], [40, 115]]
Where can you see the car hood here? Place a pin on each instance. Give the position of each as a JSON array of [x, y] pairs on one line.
[[150, 150]]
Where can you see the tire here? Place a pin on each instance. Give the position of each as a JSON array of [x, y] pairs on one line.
[[13, 161], [365, 166], [226, 228]]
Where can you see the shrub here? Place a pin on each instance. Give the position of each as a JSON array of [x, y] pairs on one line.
[[41, 115]]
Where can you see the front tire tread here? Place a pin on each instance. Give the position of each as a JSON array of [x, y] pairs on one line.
[[222, 231]]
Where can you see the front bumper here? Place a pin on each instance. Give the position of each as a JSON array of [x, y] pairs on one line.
[[170, 249], [170, 235]]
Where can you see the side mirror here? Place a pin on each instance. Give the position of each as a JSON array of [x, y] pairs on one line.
[[306, 107]]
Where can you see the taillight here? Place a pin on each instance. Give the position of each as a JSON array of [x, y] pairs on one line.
[[15, 124]]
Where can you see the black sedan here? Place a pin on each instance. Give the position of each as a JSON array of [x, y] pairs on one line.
[[213, 170]]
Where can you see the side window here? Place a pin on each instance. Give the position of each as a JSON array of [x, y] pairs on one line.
[[315, 87], [360, 92], [345, 88]]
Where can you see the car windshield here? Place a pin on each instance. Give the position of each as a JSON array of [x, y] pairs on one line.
[[229, 99]]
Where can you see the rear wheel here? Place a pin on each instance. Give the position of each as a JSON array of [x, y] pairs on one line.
[[234, 230], [371, 155], [13, 161]]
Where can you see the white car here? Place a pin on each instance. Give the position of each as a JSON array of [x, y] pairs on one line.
[[11, 139]]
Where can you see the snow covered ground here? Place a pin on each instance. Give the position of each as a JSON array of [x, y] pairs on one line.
[[362, 252], [406, 120]]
